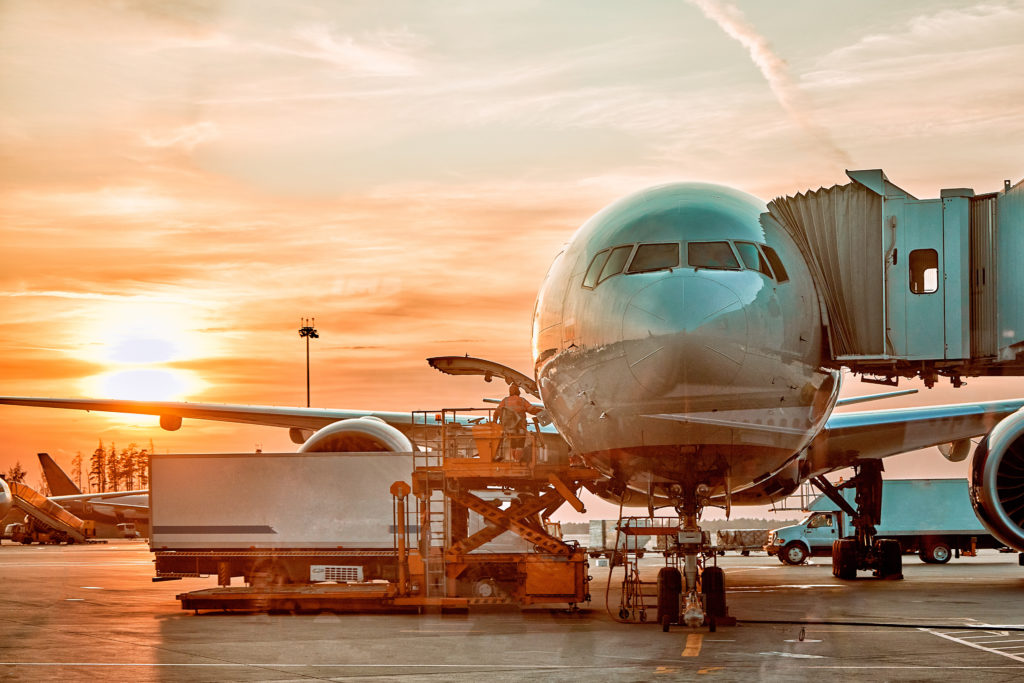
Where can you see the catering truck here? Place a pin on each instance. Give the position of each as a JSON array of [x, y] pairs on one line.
[[931, 517], [274, 518]]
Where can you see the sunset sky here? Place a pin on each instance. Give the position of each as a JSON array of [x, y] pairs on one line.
[[181, 183]]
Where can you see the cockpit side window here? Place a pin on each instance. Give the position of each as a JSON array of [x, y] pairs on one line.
[[650, 257], [780, 270], [717, 255], [616, 262], [590, 279], [752, 258]]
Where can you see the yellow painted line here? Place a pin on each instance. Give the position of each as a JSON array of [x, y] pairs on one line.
[[693, 643]]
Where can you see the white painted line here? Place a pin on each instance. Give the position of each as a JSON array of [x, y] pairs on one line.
[[975, 645], [92, 588], [277, 665], [793, 654]]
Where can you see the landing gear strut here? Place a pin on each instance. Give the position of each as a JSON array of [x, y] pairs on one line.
[[694, 596], [863, 551]]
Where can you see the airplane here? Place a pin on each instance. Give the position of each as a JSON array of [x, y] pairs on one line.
[[6, 499], [109, 507], [678, 348]]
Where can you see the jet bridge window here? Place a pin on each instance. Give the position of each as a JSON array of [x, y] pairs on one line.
[[590, 279], [650, 257], [716, 255], [924, 271], [616, 262], [753, 258]]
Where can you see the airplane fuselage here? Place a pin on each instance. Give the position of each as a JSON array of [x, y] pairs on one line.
[[678, 340]]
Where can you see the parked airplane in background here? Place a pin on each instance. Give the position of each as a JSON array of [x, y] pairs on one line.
[[109, 507], [6, 500], [678, 348]]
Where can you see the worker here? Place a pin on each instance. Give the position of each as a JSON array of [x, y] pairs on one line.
[[511, 413]]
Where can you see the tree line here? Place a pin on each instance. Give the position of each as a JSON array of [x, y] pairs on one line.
[[105, 469], [110, 469]]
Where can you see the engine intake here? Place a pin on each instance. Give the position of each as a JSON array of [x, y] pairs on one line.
[[997, 481], [359, 435]]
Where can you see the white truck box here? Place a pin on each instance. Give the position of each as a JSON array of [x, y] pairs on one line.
[[274, 500]]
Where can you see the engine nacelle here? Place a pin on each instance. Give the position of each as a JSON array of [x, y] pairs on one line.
[[358, 435], [997, 481]]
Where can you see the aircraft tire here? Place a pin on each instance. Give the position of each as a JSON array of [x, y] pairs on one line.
[[670, 585], [713, 586], [844, 559], [890, 558]]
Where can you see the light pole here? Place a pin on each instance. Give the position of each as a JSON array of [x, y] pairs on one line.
[[308, 331]]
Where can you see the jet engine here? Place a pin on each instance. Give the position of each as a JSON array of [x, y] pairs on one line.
[[358, 435], [997, 481]]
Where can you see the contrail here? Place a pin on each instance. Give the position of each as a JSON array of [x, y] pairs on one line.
[[731, 20]]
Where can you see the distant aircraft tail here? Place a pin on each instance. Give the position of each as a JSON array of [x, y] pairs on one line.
[[57, 480]]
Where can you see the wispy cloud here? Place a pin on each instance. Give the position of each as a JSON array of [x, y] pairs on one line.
[[775, 71]]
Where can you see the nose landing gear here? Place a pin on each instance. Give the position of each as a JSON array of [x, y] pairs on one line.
[[695, 596]]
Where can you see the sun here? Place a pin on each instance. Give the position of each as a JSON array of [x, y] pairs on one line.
[[145, 384], [137, 341]]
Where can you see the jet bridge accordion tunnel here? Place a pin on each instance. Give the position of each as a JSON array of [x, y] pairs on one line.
[[913, 287]]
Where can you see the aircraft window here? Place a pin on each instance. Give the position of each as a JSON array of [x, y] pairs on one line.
[[616, 262], [717, 255], [650, 257], [752, 258], [780, 270], [924, 271], [590, 279]]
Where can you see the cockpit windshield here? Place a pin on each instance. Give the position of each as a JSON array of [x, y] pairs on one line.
[[711, 255], [718, 255], [650, 257]]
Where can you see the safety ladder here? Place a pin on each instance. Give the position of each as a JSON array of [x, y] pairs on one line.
[[434, 529]]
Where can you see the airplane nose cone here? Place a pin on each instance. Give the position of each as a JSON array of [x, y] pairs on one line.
[[683, 332], [6, 500]]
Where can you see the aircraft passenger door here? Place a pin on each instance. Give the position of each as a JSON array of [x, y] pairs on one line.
[[921, 259]]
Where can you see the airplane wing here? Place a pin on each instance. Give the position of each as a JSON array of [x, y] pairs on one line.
[[171, 413], [272, 416], [849, 437], [108, 497]]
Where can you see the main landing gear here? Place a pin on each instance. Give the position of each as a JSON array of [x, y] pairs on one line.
[[863, 551], [695, 595]]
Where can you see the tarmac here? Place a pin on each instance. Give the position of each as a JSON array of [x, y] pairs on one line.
[[82, 613]]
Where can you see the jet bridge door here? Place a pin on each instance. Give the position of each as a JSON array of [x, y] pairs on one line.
[[928, 278], [914, 287]]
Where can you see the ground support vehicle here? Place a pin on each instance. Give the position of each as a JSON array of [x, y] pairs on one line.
[[344, 531], [741, 540], [930, 517], [45, 521], [607, 541]]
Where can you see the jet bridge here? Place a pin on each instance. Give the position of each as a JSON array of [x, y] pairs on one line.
[[914, 287]]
